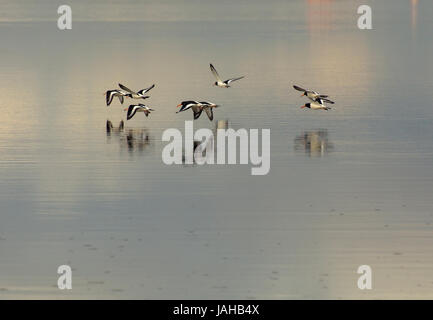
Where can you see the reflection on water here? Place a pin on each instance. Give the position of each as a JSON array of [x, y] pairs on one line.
[[314, 143], [134, 139], [320, 18], [111, 129], [414, 10], [202, 149], [68, 191]]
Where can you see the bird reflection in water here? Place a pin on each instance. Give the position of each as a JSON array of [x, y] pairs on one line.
[[200, 148], [314, 143], [112, 130], [199, 151], [134, 139]]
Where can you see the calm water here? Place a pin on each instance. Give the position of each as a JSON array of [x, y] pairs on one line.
[[347, 187]]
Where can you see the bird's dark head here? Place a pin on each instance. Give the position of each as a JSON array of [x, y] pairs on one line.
[[184, 105], [307, 105], [145, 97], [215, 83]]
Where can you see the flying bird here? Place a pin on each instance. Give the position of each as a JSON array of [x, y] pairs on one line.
[[185, 105], [136, 95], [134, 108], [198, 107], [221, 83], [190, 104], [110, 94], [313, 95], [316, 105]]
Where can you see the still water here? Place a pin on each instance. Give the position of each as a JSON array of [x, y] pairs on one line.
[[347, 187]]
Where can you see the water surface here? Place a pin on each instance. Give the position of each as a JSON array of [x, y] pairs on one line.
[[347, 187]]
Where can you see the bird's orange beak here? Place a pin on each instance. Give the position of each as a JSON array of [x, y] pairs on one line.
[[179, 105], [303, 94], [304, 106], [125, 109]]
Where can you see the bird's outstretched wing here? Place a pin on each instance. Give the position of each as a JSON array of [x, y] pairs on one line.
[[108, 97], [209, 113], [197, 111], [131, 111], [215, 73], [234, 79], [120, 98], [143, 91], [328, 101], [318, 100], [299, 88], [322, 100], [126, 88]]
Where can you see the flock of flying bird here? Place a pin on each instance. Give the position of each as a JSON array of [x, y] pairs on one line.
[[317, 100]]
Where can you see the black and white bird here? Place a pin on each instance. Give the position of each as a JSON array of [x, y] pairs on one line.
[[188, 104], [198, 107], [313, 95], [134, 108], [136, 95], [316, 105], [221, 83], [110, 94]]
